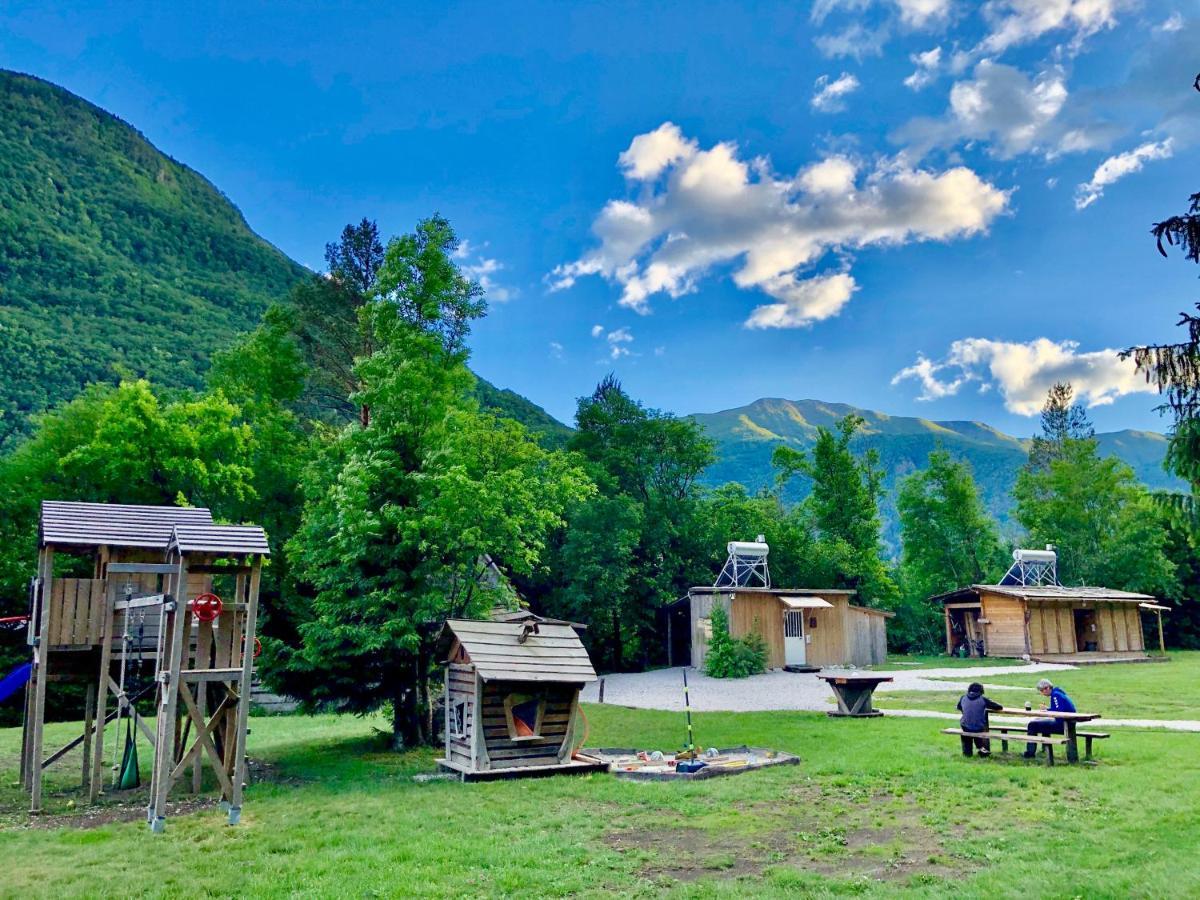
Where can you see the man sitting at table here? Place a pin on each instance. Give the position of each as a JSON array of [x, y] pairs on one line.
[[1059, 702], [974, 707]]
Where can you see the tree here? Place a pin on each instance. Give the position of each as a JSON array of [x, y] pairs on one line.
[[1062, 420], [645, 463], [843, 507], [355, 259], [948, 541], [403, 511]]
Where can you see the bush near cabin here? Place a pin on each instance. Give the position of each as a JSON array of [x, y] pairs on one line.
[[730, 657]]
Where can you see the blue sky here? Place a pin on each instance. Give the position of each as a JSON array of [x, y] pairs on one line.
[[926, 207]]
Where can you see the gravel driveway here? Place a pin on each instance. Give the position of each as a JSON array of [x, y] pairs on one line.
[[663, 688]]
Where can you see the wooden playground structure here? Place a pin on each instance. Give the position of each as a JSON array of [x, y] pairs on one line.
[[166, 614]]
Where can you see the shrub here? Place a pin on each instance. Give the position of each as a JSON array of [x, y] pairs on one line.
[[730, 657]]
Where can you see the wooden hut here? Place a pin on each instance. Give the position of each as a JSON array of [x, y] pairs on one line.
[[1045, 622], [164, 587], [512, 698], [802, 628]]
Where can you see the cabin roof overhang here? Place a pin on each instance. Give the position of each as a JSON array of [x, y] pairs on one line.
[[774, 592], [1043, 594]]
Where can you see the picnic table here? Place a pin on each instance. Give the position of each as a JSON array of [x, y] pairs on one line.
[[853, 694], [1070, 721]]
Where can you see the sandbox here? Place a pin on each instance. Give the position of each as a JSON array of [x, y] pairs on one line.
[[640, 765]]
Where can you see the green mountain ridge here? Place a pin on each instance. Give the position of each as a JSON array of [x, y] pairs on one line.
[[114, 258]]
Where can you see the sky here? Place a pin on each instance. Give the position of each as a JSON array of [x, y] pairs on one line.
[[924, 207]]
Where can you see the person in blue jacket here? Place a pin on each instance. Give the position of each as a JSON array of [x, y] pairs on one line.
[[1059, 702]]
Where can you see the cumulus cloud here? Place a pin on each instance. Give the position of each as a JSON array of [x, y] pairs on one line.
[[927, 64], [1014, 22], [597, 330], [1014, 113], [1117, 167], [557, 351], [912, 13], [854, 41], [1024, 372], [711, 207], [617, 341], [830, 95]]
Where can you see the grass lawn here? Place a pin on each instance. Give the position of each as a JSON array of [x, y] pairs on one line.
[[932, 661], [1116, 691], [877, 807]]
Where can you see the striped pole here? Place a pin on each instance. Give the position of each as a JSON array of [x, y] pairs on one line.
[[691, 747]]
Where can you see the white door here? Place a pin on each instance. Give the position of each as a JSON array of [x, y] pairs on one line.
[[793, 637]]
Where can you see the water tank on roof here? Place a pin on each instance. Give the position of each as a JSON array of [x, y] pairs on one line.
[[747, 548], [1034, 556]]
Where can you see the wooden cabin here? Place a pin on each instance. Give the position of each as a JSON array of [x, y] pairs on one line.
[[149, 604], [1045, 622], [802, 628], [512, 697]]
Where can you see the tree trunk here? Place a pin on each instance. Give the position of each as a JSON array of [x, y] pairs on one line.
[[618, 651], [406, 724]]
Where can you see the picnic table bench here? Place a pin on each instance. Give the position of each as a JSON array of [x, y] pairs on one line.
[[1070, 722], [1004, 735], [1088, 736], [853, 694]]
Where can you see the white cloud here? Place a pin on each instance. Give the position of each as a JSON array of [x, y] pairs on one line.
[[1117, 167], [913, 13], [830, 95], [927, 64], [650, 153], [1016, 22], [483, 270], [1012, 112], [1024, 372], [597, 330], [853, 41], [714, 208], [617, 341], [556, 350], [802, 302], [1172, 23]]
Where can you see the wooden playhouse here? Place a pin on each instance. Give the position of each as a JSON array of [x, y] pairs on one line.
[[512, 698], [149, 604]]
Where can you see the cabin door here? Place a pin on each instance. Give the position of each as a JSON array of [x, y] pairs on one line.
[[793, 637]]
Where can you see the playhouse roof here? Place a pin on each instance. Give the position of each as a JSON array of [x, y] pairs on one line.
[[68, 523], [552, 653], [209, 538]]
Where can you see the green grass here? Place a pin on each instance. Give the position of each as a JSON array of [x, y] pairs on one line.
[[1116, 691], [941, 661], [877, 807]]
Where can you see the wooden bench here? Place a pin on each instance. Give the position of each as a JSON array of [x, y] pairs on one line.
[[1088, 736], [1004, 735]]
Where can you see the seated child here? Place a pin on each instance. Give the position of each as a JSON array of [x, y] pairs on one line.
[[974, 708]]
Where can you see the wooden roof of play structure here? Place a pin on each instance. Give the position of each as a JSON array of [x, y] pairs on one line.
[[1046, 593], [521, 651], [187, 529]]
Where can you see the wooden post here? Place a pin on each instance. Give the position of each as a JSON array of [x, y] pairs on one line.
[[89, 723], [1162, 646], [204, 639], [238, 738], [168, 707], [40, 671], [101, 706]]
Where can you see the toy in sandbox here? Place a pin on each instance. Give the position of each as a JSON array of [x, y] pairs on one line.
[[512, 698], [148, 626]]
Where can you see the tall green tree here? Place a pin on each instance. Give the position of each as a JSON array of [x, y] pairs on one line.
[[1062, 420], [948, 541], [1100, 518], [843, 508], [401, 513]]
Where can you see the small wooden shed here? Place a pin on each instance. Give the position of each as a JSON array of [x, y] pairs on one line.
[[512, 698], [1048, 622], [801, 627]]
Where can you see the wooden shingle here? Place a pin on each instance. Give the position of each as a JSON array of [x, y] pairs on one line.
[[554, 653]]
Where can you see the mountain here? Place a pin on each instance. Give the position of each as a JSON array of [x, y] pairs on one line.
[[507, 404], [114, 259], [746, 437]]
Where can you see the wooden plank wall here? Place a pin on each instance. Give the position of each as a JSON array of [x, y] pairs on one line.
[[828, 644], [461, 682], [761, 613], [701, 610], [502, 751], [76, 612], [1004, 633]]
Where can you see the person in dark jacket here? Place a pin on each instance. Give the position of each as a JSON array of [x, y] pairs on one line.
[[974, 708], [1059, 702]]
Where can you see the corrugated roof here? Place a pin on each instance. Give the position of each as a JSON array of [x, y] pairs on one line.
[[117, 525], [555, 653], [208, 538], [1058, 592]]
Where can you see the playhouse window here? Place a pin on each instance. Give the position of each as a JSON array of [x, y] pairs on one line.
[[458, 719], [523, 713]]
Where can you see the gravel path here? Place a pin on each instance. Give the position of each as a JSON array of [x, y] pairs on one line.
[[663, 689]]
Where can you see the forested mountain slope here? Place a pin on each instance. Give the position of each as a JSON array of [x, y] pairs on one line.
[[114, 259]]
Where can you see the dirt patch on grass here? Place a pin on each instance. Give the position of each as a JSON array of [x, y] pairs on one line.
[[829, 831]]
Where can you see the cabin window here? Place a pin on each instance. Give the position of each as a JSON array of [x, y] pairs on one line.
[[524, 713], [458, 719]]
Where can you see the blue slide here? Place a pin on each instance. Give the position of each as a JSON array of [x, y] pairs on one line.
[[15, 680]]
